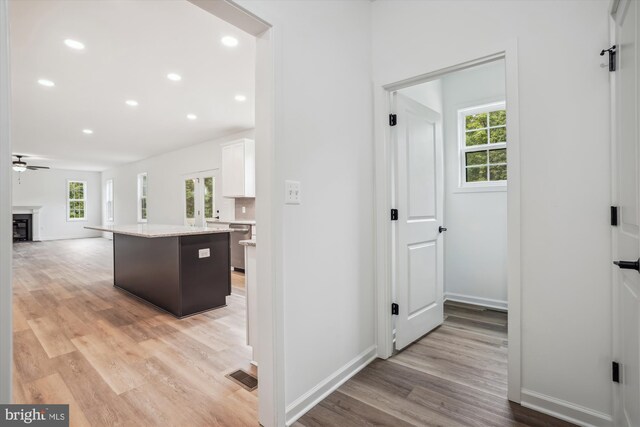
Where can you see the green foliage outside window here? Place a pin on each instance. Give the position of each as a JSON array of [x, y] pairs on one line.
[[484, 129]]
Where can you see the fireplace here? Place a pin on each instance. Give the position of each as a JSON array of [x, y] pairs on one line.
[[22, 227]]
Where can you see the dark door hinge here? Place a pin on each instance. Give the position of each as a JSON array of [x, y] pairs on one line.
[[615, 372], [395, 309], [394, 214], [393, 119], [612, 57], [614, 215]]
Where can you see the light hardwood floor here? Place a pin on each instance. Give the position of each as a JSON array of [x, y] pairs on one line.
[[116, 360], [454, 376]]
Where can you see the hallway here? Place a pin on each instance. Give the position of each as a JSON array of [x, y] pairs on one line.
[[454, 376]]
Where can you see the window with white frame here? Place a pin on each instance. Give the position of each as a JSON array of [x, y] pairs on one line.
[[76, 200], [483, 145], [142, 197], [108, 200]]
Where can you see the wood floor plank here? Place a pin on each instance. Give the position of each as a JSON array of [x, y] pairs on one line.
[[53, 390], [455, 375], [51, 336], [119, 361]]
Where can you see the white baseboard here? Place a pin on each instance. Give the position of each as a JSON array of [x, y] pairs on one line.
[[310, 399], [564, 410], [485, 302]]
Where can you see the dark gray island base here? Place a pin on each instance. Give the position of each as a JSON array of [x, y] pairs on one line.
[[182, 272]]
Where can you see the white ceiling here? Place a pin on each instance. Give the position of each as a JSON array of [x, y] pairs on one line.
[[131, 46]]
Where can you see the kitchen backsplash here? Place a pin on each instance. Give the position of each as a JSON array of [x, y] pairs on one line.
[[249, 205]]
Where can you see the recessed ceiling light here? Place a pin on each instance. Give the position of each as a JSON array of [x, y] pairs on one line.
[[191, 116], [87, 131], [131, 102], [174, 77], [74, 44], [229, 41], [240, 98], [47, 83]]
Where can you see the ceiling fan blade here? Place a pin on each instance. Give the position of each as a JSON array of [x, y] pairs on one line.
[[33, 168]]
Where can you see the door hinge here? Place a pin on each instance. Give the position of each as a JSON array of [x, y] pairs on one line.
[[393, 119], [615, 372], [394, 214], [612, 57], [395, 309], [614, 215]]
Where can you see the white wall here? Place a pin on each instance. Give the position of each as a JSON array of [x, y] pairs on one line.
[[48, 188], [323, 138], [6, 352], [476, 237], [165, 174], [565, 176]]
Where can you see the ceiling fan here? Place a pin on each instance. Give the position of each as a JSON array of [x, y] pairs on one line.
[[20, 166]]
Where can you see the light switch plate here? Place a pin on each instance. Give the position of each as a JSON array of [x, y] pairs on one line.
[[204, 253], [292, 195]]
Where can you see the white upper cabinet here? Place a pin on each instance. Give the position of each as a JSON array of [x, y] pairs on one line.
[[239, 168]]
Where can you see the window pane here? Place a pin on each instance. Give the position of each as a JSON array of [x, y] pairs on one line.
[[477, 137], [144, 185], [498, 118], [79, 191], [498, 156], [498, 134], [208, 197], [72, 190], [476, 158], [476, 121], [498, 173], [189, 188], [476, 173]]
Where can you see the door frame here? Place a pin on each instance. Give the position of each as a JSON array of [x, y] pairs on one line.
[[383, 152], [616, 10]]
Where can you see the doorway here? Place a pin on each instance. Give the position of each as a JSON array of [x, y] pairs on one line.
[[201, 197], [470, 166]]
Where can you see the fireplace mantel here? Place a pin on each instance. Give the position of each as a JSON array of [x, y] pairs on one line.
[[35, 217]]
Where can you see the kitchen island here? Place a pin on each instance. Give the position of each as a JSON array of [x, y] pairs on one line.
[[180, 269]]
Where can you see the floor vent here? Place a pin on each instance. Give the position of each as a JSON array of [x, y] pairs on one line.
[[245, 379]]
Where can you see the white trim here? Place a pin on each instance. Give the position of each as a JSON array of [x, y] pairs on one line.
[[564, 410], [484, 302], [83, 200], [383, 172], [311, 398], [139, 194], [6, 239]]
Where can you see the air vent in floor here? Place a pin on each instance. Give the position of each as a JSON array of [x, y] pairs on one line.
[[245, 379]]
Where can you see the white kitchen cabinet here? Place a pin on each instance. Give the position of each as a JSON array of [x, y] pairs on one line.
[[239, 168]]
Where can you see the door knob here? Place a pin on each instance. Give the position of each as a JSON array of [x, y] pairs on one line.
[[628, 265], [441, 229]]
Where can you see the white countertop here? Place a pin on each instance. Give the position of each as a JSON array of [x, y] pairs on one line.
[[251, 242], [157, 230], [232, 221]]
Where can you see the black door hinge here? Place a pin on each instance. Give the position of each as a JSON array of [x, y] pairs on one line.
[[614, 215], [393, 119], [615, 372], [394, 214], [395, 308], [612, 57]]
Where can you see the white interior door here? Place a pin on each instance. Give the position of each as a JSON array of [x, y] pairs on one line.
[[627, 292], [419, 197]]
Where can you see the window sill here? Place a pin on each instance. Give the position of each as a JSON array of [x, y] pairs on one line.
[[77, 220], [481, 189]]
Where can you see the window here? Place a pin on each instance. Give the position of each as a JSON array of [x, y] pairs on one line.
[[483, 145], [142, 197], [76, 200], [108, 200], [199, 197]]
